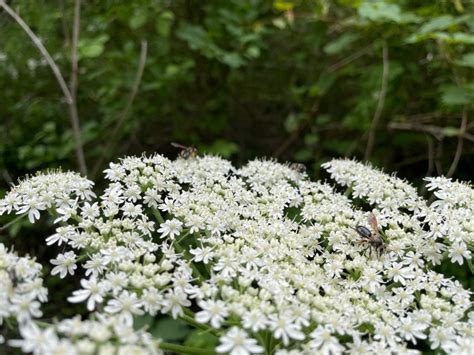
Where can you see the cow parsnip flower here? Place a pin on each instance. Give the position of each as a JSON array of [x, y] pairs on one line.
[[267, 259]]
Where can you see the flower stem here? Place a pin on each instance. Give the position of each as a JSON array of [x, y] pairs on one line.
[[181, 349], [190, 320], [157, 215], [13, 221]]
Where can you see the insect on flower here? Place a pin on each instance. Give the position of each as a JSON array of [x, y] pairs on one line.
[[373, 237], [298, 167], [186, 152]]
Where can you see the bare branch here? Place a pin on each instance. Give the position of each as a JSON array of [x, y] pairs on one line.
[[460, 145], [59, 77], [380, 103], [124, 114]]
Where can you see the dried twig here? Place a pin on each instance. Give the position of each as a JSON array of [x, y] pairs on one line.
[[460, 145], [380, 103], [124, 114], [59, 77]]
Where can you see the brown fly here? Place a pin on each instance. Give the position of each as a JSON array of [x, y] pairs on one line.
[[186, 152], [371, 237]]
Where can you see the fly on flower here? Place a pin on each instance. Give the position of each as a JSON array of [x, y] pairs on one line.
[[13, 277], [373, 237], [298, 167], [186, 152]]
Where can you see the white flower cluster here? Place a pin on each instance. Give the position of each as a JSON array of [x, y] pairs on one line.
[[21, 288], [455, 205], [106, 335], [261, 257]]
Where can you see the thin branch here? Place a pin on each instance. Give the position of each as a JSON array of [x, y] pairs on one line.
[[75, 40], [431, 163], [460, 145], [435, 131], [67, 39], [59, 77], [124, 114], [349, 59], [380, 104]]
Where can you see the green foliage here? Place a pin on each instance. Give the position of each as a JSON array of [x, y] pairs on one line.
[[299, 80]]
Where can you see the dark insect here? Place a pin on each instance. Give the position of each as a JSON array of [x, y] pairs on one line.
[[13, 277], [373, 237], [298, 167], [186, 152]]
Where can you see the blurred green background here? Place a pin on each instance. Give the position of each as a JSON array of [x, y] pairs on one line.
[[296, 80], [386, 81]]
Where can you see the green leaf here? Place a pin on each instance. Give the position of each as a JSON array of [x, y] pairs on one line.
[[92, 47], [341, 43], [303, 155], [164, 23], [252, 52], [455, 95], [281, 5], [170, 329], [311, 139], [450, 131], [380, 11], [467, 60], [137, 20], [223, 148], [436, 24], [202, 340], [233, 60]]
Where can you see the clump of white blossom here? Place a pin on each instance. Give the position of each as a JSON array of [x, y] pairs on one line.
[[260, 257], [21, 288]]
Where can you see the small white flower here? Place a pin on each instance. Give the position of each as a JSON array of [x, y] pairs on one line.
[[92, 290], [285, 329], [65, 263], [171, 227], [214, 312], [237, 342], [127, 304], [458, 251]]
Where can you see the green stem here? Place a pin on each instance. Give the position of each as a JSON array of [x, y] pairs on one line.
[[471, 267], [190, 320], [13, 222], [181, 349], [157, 215]]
